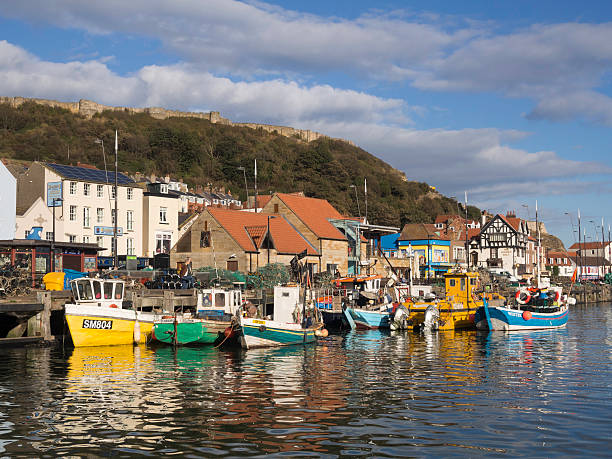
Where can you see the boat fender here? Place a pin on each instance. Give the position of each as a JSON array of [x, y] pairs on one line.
[[526, 315], [522, 297], [136, 332], [262, 328], [113, 306]]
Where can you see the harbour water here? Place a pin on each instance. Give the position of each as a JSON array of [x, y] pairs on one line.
[[534, 394]]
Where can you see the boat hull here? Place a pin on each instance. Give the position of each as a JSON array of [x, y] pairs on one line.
[[96, 326], [512, 319], [268, 333], [369, 320], [197, 331]]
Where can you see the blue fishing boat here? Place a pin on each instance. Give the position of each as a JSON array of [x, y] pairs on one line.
[[550, 311], [367, 319]]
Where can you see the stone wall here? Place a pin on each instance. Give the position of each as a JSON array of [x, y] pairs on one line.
[[88, 108]]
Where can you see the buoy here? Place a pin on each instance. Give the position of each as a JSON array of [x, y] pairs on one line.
[[321, 333], [113, 306], [526, 315]]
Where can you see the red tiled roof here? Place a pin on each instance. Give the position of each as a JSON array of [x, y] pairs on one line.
[[263, 199], [249, 228], [587, 245], [315, 214], [257, 233], [414, 231], [514, 222], [473, 232]]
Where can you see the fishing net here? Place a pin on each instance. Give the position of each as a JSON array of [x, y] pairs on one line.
[[265, 277]]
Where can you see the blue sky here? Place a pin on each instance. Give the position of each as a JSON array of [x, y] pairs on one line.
[[510, 101]]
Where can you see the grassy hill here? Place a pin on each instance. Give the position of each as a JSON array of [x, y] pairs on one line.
[[207, 154]]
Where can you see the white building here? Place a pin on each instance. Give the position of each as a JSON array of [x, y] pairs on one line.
[[8, 193], [84, 203], [160, 224]]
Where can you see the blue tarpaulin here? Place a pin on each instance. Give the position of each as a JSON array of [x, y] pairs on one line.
[[71, 274]]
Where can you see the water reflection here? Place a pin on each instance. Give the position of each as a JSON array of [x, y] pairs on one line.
[[364, 393]]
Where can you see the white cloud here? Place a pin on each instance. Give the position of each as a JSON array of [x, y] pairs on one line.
[[446, 158], [561, 67], [242, 38]]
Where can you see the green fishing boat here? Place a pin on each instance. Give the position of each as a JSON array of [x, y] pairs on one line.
[[189, 330], [214, 312]]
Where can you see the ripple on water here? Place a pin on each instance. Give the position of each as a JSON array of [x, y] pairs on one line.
[[535, 394]]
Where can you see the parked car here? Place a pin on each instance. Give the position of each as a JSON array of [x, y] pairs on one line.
[[505, 274]]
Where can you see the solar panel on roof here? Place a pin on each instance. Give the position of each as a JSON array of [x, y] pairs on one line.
[[89, 175]]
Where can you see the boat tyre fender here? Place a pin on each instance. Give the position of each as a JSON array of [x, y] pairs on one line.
[[262, 328], [522, 297]]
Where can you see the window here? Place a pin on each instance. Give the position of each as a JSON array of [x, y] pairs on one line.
[[113, 217], [73, 187], [49, 235], [86, 239], [275, 208], [100, 191], [494, 253], [72, 238], [163, 211], [163, 189], [451, 282], [86, 189], [100, 215], [113, 192], [72, 214], [162, 242], [85, 217], [130, 193], [100, 241], [130, 246], [205, 239], [232, 265], [499, 237], [130, 219], [331, 268]]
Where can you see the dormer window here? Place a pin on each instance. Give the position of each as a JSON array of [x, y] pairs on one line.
[[163, 188]]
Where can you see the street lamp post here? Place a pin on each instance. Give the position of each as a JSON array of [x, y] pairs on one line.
[[54, 201], [241, 168], [356, 199]]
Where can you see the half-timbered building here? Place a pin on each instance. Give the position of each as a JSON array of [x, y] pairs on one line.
[[505, 243]]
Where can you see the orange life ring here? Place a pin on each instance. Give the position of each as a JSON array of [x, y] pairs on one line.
[[113, 306], [520, 299]]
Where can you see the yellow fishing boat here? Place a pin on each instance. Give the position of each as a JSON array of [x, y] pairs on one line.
[[99, 317], [453, 312]]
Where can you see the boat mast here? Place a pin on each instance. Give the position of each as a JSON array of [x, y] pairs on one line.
[[467, 248], [538, 247], [579, 257], [116, 258]]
